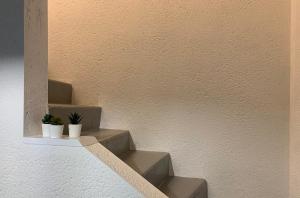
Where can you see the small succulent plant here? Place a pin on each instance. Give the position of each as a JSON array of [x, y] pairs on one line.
[[75, 118], [56, 121], [47, 119]]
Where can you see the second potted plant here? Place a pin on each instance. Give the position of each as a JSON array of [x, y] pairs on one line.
[[75, 126], [56, 128], [46, 123]]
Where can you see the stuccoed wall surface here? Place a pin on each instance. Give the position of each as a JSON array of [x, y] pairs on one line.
[[207, 81], [46, 171], [295, 102], [40, 171]]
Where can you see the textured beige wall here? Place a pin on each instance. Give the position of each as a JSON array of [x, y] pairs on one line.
[[207, 81], [295, 102]]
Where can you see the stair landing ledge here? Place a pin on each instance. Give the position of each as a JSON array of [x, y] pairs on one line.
[[83, 141]]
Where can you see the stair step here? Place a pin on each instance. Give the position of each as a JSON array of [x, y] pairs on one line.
[[153, 166], [182, 187], [91, 115], [117, 141], [59, 92]]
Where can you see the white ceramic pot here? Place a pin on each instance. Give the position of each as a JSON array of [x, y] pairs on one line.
[[56, 131], [46, 130], [75, 130]]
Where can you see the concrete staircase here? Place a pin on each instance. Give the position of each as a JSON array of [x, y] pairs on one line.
[[156, 167]]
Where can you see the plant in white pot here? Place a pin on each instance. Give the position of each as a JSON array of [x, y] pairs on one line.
[[75, 126], [56, 128], [46, 122]]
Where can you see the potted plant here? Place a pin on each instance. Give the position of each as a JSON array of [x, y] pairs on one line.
[[56, 128], [46, 125], [75, 126]]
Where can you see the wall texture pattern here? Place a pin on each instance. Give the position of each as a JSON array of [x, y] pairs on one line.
[[207, 81], [31, 171], [295, 102]]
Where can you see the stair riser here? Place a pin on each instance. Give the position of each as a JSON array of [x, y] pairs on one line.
[[201, 192], [159, 171], [183, 187], [117, 144], [59, 92], [91, 117]]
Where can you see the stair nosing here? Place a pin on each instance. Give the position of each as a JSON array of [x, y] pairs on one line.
[[114, 136], [122, 132], [60, 82], [52, 105]]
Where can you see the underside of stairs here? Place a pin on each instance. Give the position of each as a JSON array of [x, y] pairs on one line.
[[156, 167]]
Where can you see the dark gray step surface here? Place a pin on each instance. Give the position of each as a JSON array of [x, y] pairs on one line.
[[59, 92], [153, 166], [182, 187], [117, 141], [91, 115]]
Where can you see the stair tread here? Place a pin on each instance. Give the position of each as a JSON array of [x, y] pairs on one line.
[[183, 187], [60, 82], [72, 106], [143, 161], [117, 141], [106, 134]]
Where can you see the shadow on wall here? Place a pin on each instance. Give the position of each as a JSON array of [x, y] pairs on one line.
[[11, 69], [11, 37]]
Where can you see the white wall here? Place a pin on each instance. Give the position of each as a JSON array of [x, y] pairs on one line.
[[40, 171], [295, 102], [207, 81]]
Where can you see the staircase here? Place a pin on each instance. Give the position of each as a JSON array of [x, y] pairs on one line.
[[156, 167]]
